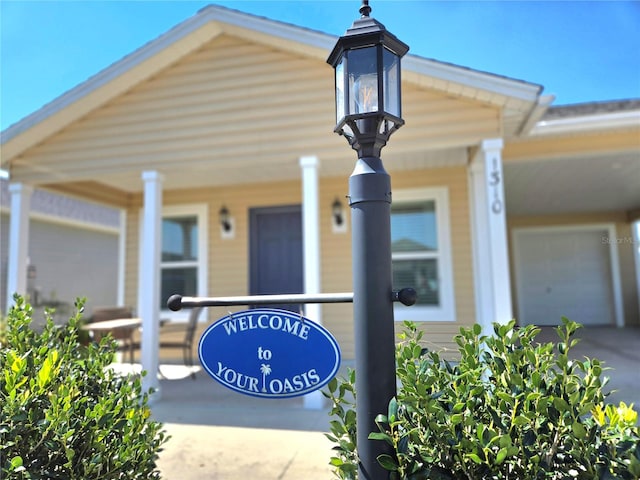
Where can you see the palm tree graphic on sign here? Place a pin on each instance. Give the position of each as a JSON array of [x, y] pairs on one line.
[[265, 370]]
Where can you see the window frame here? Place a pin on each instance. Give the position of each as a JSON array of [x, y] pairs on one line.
[[200, 211], [445, 312]]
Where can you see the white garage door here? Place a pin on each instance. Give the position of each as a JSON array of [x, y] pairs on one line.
[[563, 273]]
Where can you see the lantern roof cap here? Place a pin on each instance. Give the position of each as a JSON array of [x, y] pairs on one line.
[[364, 32]]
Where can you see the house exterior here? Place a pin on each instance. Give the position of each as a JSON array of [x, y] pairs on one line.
[[216, 141]]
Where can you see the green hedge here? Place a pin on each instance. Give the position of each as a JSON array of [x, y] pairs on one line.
[[511, 408], [64, 414]]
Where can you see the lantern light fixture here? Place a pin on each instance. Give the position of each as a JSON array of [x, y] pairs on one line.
[[337, 212], [226, 223], [367, 81]]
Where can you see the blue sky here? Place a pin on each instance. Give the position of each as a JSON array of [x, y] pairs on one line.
[[579, 51]]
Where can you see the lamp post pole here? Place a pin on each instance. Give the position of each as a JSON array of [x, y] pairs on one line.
[[370, 200], [367, 68]]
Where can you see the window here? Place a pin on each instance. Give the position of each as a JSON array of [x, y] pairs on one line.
[[420, 246], [183, 262]]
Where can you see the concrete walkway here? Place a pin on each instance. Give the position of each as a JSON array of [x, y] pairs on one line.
[[222, 435]]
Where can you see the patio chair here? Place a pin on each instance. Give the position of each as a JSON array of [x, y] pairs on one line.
[[123, 337], [186, 343]]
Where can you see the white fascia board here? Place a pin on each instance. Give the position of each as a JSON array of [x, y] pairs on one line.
[[503, 86], [536, 114], [267, 26], [586, 123]]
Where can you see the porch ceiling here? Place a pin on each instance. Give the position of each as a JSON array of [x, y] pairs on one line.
[[598, 183]]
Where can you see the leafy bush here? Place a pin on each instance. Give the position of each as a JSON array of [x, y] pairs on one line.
[[3, 331], [64, 415], [511, 408]]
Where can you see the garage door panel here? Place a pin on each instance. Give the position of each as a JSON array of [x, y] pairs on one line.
[[564, 273]]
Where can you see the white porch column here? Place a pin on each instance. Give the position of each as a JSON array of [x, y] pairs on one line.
[[18, 240], [122, 257], [149, 279], [311, 250], [489, 236]]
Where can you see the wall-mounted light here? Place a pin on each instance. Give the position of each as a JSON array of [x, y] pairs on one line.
[[338, 223], [226, 223], [336, 209]]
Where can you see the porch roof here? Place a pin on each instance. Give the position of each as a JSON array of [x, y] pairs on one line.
[[577, 158], [446, 106]]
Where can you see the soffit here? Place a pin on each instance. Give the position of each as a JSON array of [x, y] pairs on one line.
[[602, 182], [573, 166]]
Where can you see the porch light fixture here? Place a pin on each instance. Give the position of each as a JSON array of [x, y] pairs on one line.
[[367, 84], [367, 79], [226, 223], [337, 212], [224, 218]]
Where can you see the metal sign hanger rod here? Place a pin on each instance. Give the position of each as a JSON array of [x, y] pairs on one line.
[[176, 302]]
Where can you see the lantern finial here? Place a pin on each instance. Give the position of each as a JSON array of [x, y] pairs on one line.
[[365, 9]]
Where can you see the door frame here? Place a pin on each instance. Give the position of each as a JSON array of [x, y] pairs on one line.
[[615, 281], [253, 238]]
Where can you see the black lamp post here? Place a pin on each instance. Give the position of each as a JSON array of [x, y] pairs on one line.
[[367, 67]]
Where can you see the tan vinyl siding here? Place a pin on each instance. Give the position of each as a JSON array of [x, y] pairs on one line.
[[434, 121], [335, 267], [132, 259], [625, 251]]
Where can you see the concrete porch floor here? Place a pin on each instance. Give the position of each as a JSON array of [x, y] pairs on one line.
[[222, 435]]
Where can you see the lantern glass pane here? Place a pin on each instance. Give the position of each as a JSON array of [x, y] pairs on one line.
[[391, 83], [363, 80], [340, 84]]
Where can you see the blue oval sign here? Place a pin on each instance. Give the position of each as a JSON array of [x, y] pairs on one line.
[[269, 353]]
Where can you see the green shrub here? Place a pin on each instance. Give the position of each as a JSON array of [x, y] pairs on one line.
[[3, 331], [511, 408], [64, 415]]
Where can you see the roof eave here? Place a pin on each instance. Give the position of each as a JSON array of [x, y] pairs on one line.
[[587, 123], [498, 85], [311, 38], [535, 114]]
